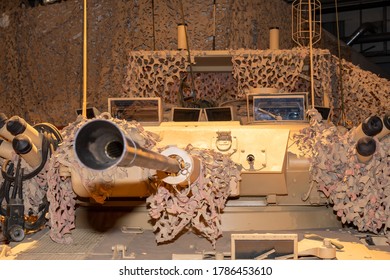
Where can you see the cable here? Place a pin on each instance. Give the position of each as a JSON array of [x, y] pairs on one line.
[[154, 29], [307, 194], [51, 130], [43, 209], [17, 181], [342, 117], [5, 189], [214, 22], [85, 62], [50, 141], [311, 56], [188, 50]]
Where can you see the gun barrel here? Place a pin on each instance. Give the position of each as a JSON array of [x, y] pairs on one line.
[[101, 144]]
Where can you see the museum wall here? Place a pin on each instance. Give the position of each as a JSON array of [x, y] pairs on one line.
[[41, 48]]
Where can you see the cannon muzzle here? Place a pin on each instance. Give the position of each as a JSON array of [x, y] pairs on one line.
[[101, 144]]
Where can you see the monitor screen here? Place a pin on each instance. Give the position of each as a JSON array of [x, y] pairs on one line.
[[324, 111], [219, 114], [91, 112], [186, 114], [143, 110], [286, 107]]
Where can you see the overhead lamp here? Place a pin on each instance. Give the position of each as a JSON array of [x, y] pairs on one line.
[[45, 2], [36, 3]]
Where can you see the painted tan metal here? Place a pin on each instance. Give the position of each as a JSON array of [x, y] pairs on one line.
[[6, 150], [242, 218], [325, 251], [277, 171], [286, 206], [267, 144], [134, 185]]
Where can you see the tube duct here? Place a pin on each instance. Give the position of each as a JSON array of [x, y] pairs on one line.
[[17, 125], [365, 148], [3, 128], [24, 147], [369, 127], [386, 126]]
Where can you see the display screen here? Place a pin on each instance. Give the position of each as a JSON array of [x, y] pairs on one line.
[[286, 107], [186, 114], [219, 114], [324, 111], [144, 110]]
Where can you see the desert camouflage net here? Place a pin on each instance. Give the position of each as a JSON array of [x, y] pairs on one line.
[[198, 206], [152, 74], [365, 93], [41, 48], [359, 192], [155, 74], [283, 70], [158, 74]]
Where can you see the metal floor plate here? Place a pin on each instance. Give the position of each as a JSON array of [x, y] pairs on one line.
[[85, 240]]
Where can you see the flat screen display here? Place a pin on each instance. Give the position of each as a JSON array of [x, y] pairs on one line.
[[279, 107], [143, 110], [219, 114], [186, 114]]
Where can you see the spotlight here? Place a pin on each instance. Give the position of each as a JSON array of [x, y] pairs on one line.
[[36, 3], [45, 2]]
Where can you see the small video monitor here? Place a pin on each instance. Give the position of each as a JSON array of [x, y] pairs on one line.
[[324, 111], [180, 114], [279, 107], [91, 112], [147, 111], [218, 114]]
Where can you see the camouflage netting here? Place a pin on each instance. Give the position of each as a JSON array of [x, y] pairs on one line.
[[152, 74], [41, 48], [358, 192], [365, 94], [198, 206], [283, 70]]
